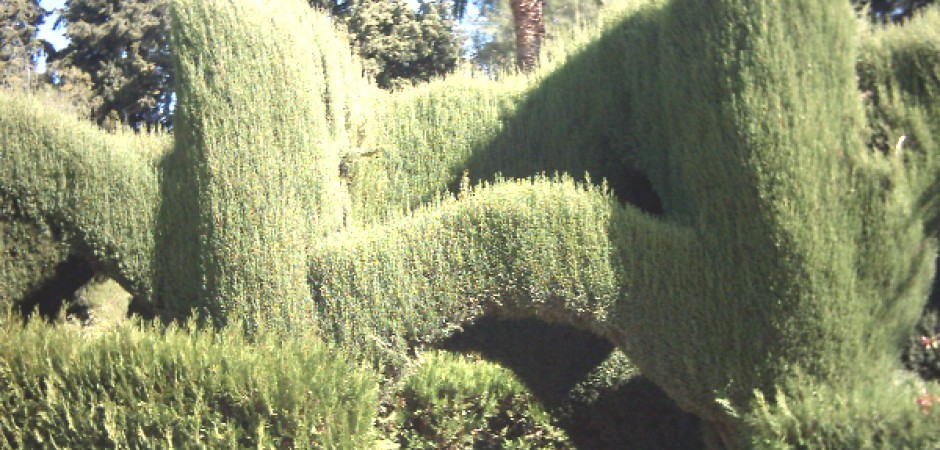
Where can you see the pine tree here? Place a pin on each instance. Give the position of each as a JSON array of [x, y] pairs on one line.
[[119, 51], [19, 46], [400, 45]]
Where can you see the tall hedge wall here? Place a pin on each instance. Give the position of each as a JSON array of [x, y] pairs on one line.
[[261, 115]]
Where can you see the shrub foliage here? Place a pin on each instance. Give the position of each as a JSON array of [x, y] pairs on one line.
[[147, 387], [463, 402], [768, 222]]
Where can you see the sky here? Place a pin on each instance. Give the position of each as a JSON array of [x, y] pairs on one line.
[[55, 37]]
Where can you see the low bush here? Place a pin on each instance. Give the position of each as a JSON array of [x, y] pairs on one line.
[[870, 415], [452, 401], [145, 387]]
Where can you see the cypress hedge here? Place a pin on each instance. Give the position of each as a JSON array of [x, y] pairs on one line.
[[69, 189], [787, 243], [768, 224], [260, 118]]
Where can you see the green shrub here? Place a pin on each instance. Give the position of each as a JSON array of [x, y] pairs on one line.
[[29, 254], [866, 416], [899, 76], [100, 303], [259, 124], [143, 387], [785, 242], [132, 205], [463, 402], [419, 140], [568, 120]]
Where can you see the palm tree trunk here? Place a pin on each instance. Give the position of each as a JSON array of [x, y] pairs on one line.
[[527, 16]]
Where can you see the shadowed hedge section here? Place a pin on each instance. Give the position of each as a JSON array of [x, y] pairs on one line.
[[768, 224]]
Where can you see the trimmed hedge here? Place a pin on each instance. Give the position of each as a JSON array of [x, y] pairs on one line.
[[868, 415], [413, 281], [794, 235], [261, 117], [29, 256], [83, 192], [786, 241]]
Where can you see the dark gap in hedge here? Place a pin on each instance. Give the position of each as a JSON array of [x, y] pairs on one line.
[[49, 297], [549, 358], [555, 361]]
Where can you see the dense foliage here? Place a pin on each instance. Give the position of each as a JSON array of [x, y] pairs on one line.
[[147, 387], [458, 402], [118, 60], [750, 217], [402, 46], [19, 22]]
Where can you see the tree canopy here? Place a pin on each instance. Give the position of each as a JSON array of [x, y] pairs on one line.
[[120, 55], [400, 45], [19, 46]]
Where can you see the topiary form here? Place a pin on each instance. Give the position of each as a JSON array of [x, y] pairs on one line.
[[788, 248]]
